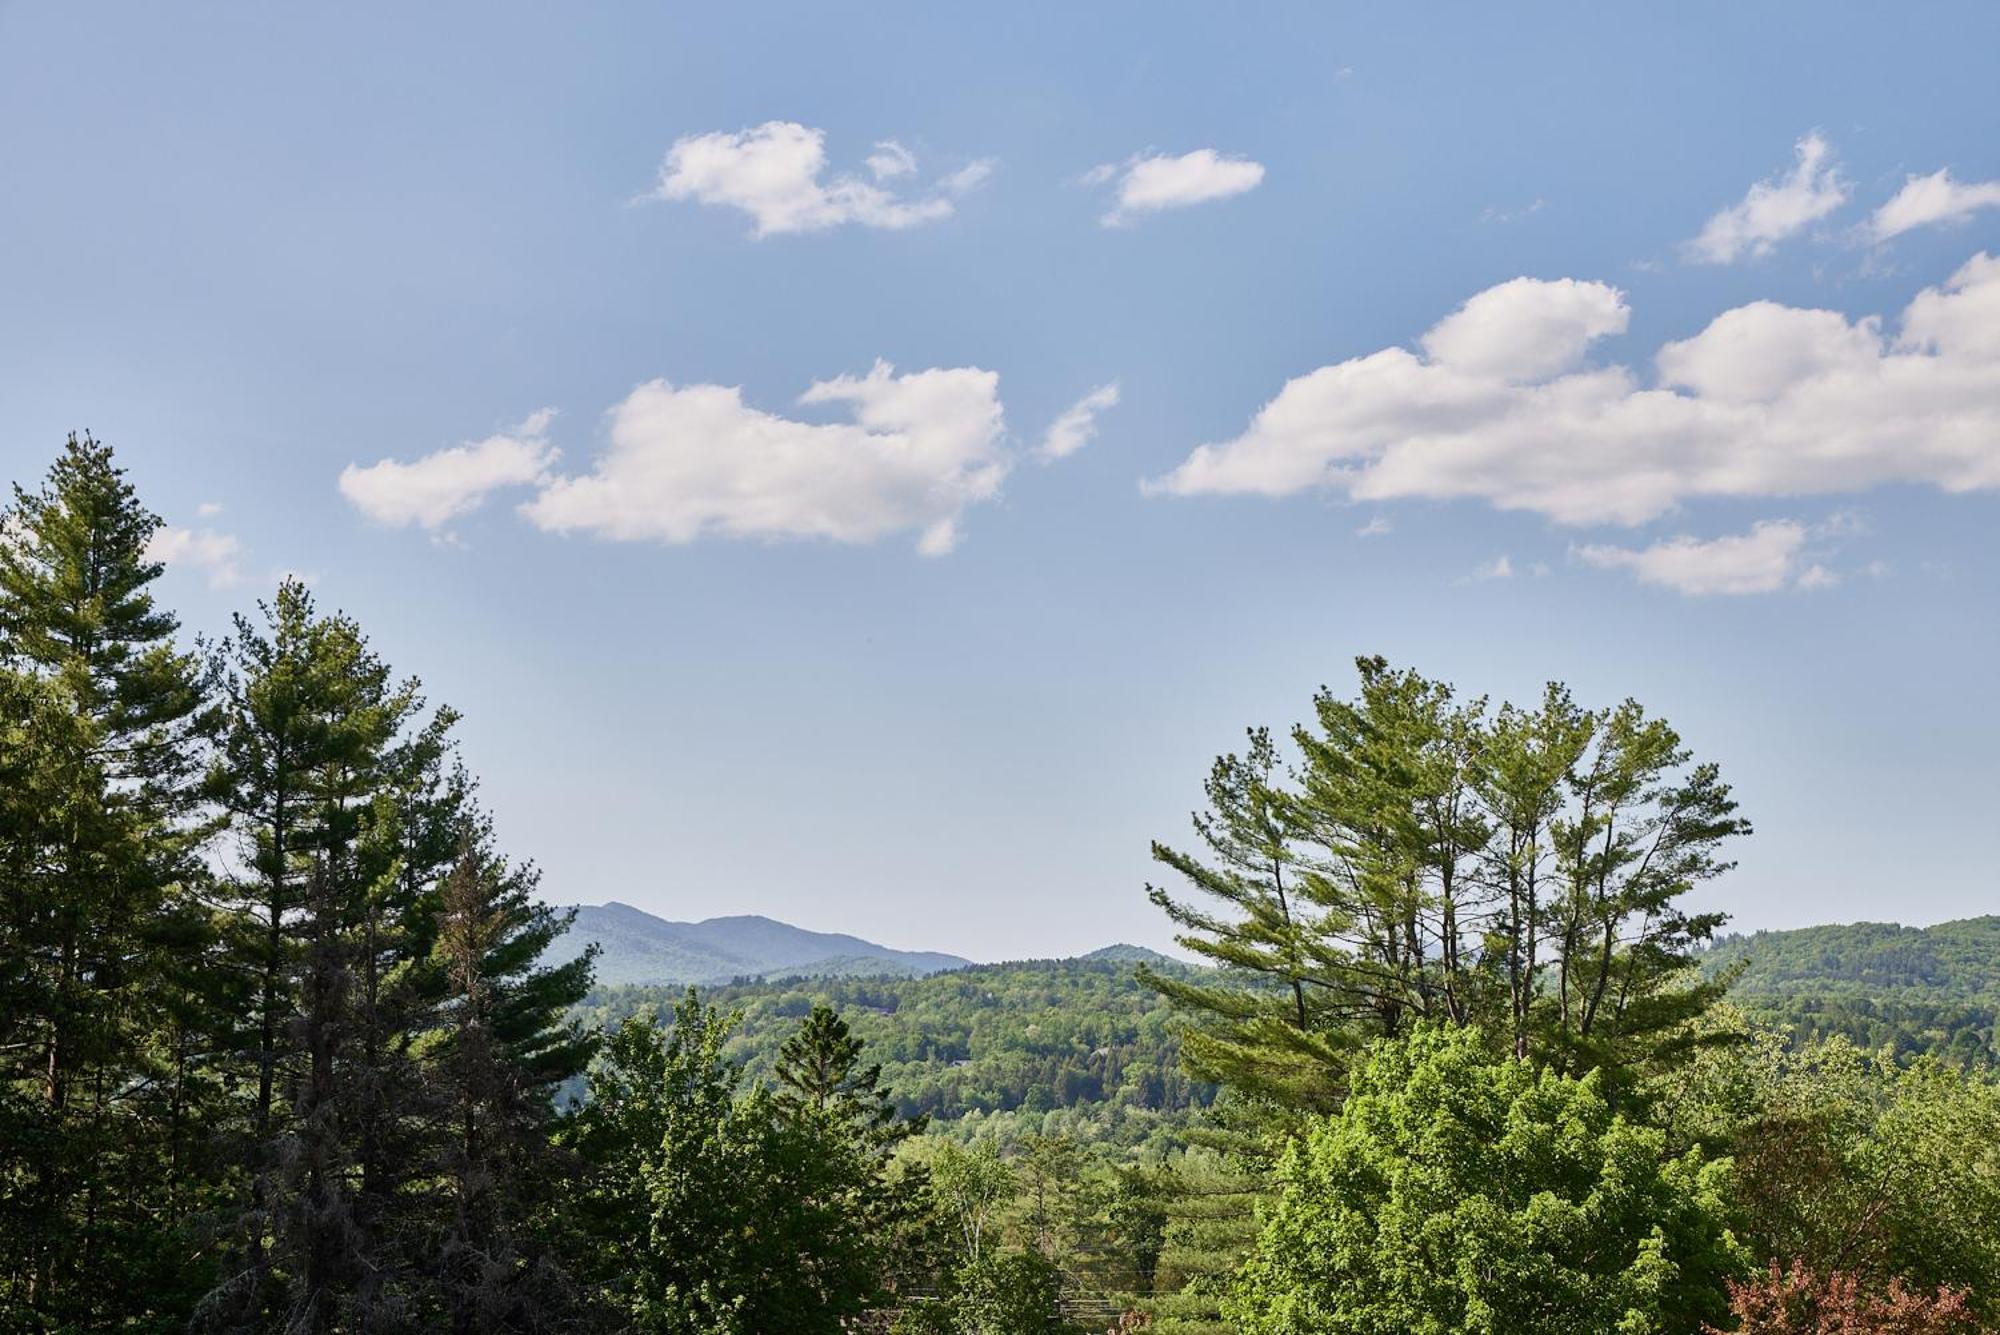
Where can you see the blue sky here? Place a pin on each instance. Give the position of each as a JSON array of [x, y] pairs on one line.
[[877, 662]]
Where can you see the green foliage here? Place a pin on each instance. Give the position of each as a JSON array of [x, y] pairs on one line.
[[1003, 1051], [1431, 860], [1952, 961], [494, 1069], [1274, 1021], [821, 1075], [1461, 1192], [1917, 990], [1849, 1162], [970, 1186], [1213, 1196], [711, 1209], [1016, 1294], [102, 927], [238, 1062]]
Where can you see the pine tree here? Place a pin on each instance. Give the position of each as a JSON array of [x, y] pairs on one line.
[[103, 899], [1212, 1195], [313, 768], [1276, 1018], [506, 1047], [1522, 872], [1386, 808], [820, 1073]]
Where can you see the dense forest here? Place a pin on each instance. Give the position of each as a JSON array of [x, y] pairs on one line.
[[286, 1042], [1001, 1050], [1914, 990]]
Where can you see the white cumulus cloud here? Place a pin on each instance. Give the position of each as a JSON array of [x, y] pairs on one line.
[[1775, 209], [1150, 183], [690, 461], [1768, 400], [215, 554], [1770, 557], [1527, 329], [1926, 201], [776, 173], [1076, 426], [437, 488]]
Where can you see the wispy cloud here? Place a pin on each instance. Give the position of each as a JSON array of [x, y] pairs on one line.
[[216, 555], [1930, 201], [437, 488], [1076, 425], [1775, 209], [890, 160], [1498, 216], [1764, 560], [776, 173], [1151, 183]]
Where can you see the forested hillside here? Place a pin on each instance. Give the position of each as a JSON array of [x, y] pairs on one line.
[[1952, 961], [1911, 989], [1077, 1046]]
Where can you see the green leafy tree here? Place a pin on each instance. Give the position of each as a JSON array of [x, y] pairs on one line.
[[1851, 1164], [971, 1187], [710, 1209], [1459, 1191]]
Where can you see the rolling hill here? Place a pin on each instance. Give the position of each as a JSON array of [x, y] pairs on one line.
[[1952, 961], [637, 947], [985, 1050]]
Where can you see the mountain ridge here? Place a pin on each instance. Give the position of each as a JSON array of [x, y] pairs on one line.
[[1955, 960], [640, 947]]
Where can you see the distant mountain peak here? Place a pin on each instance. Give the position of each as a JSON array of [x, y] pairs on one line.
[[640, 947], [1124, 952]]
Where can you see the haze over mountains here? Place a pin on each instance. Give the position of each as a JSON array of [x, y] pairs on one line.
[[1955, 959], [642, 948], [638, 947]]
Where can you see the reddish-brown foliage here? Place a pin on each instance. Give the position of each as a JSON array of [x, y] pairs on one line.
[[1800, 1301]]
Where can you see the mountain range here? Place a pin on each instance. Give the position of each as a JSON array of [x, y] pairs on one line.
[[637, 947], [1952, 960]]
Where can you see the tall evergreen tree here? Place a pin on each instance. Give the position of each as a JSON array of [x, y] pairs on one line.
[[313, 768], [109, 715], [1522, 871], [821, 1074], [506, 1047], [1274, 1020]]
